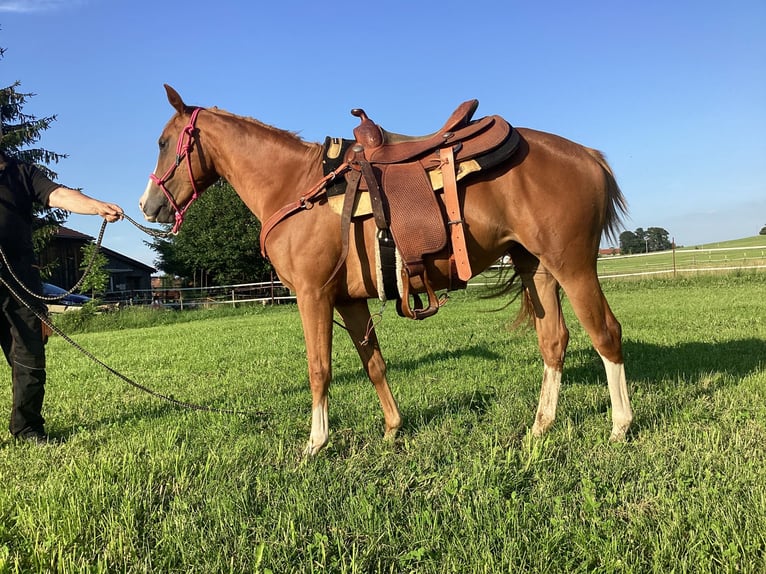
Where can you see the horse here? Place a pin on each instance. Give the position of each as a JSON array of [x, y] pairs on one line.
[[546, 208]]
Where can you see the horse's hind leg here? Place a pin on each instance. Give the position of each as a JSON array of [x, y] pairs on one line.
[[356, 316], [590, 306], [542, 297]]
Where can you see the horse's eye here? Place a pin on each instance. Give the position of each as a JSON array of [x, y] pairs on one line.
[[163, 144]]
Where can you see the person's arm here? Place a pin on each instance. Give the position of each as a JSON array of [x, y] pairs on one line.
[[77, 202]]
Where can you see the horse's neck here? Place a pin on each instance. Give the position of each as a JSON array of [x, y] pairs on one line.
[[266, 166]]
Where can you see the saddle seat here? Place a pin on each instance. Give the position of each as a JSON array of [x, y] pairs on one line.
[[470, 137], [371, 136]]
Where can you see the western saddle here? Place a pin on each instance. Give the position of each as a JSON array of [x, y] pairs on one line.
[[402, 175]]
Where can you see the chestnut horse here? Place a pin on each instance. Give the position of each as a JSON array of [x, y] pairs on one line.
[[546, 208]]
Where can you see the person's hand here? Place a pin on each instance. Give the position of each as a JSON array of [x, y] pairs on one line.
[[110, 211]]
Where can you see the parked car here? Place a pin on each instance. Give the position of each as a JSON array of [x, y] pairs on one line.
[[70, 300]]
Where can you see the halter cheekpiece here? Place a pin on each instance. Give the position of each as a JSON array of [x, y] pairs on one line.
[[183, 147]]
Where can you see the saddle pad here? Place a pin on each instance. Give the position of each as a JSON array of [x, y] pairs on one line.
[[416, 219]]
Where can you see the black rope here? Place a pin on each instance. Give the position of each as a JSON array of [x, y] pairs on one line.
[[88, 269], [148, 230]]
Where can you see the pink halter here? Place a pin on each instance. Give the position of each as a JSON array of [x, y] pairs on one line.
[[182, 150]]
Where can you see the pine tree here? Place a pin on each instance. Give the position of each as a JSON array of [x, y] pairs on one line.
[[20, 132]]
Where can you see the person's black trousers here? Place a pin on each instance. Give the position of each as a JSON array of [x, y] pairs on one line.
[[22, 341]]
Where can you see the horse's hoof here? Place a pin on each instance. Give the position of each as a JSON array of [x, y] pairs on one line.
[[311, 450], [619, 434], [390, 435], [541, 427]]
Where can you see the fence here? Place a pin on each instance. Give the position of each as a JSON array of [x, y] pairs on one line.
[[611, 266], [664, 263], [683, 261], [267, 293]]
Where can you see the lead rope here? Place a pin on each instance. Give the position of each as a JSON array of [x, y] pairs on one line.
[[88, 269], [46, 321], [148, 230]]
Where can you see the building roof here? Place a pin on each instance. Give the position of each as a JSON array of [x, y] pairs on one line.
[[132, 262], [66, 233], [70, 234]]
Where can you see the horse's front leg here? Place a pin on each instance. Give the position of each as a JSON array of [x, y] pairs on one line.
[[316, 316], [356, 316]]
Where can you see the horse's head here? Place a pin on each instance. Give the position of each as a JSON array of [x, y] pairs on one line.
[[182, 171]]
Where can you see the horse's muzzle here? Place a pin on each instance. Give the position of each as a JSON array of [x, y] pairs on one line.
[[155, 207]]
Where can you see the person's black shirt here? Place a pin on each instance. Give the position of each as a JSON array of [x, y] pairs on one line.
[[21, 186]]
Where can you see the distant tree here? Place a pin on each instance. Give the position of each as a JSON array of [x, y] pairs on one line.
[[762, 231], [20, 131], [96, 280], [658, 239], [218, 241], [640, 241], [630, 242]]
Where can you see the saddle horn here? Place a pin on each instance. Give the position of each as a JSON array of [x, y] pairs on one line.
[[367, 133]]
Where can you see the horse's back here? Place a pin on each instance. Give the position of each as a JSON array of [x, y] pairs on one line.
[[554, 196]]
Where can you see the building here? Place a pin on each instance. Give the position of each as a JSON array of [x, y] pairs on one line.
[[63, 258]]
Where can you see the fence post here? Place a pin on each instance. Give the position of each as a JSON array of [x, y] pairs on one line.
[[673, 244], [272, 287]]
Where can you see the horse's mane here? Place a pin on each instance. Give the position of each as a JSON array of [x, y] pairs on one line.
[[276, 131]]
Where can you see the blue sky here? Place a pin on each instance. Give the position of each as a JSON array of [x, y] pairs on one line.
[[674, 93]]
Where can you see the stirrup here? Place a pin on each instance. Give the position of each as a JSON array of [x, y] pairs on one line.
[[416, 311]]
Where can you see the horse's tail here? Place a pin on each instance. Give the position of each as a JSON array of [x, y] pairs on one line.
[[616, 205], [515, 289]]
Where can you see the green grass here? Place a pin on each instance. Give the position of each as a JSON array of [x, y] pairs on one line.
[[138, 485], [754, 241], [749, 252]]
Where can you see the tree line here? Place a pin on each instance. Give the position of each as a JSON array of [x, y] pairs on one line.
[[645, 241]]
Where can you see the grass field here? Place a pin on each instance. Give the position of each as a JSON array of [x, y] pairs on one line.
[[746, 252], [138, 485]]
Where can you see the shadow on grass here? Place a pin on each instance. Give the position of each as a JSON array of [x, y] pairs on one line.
[[666, 375], [475, 402], [399, 366], [646, 363], [441, 406], [669, 379]]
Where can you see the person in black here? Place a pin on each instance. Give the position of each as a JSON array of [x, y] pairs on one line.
[[21, 186]]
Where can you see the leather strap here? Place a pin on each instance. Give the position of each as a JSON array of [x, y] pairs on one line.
[[388, 265], [376, 198], [306, 201], [386, 245], [352, 186], [454, 216]]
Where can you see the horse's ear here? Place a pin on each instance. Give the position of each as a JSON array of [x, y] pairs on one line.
[[175, 100]]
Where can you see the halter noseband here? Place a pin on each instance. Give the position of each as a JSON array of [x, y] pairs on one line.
[[182, 150]]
